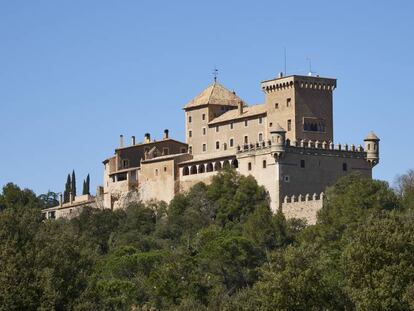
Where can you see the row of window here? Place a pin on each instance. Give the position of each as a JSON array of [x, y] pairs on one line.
[[231, 143], [344, 165], [204, 130]]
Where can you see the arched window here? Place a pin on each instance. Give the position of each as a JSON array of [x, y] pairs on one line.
[[193, 170], [201, 168], [209, 167], [186, 171], [217, 145], [226, 164], [235, 163], [224, 146], [217, 166]]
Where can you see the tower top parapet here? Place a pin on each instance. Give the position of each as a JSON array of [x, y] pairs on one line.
[[295, 81]]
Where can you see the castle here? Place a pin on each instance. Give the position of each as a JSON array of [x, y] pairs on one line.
[[286, 143]]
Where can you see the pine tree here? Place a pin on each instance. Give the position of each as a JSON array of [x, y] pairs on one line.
[[67, 189], [73, 187]]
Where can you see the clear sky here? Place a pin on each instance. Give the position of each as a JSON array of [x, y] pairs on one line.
[[76, 74]]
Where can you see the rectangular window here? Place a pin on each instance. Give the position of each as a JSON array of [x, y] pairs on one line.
[[231, 142], [277, 106], [190, 149], [246, 139], [249, 166], [344, 167], [289, 125], [246, 123], [204, 131], [302, 163], [165, 168], [264, 164], [204, 147], [217, 128], [288, 101], [165, 151], [260, 120], [203, 116], [190, 119], [125, 163], [231, 125], [260, 137], [217, 145]]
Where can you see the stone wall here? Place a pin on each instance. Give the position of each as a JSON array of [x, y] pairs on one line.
[[303, 206]]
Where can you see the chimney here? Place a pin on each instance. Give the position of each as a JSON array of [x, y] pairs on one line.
[[121, 141], [60, 200], [240, 107], [133, 140], [165, 134], [147, 138], [70, 197]]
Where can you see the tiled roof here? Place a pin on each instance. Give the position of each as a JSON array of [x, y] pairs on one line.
[[234, 114], [215, 94]]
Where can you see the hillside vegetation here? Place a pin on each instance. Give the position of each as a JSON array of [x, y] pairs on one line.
[[217, 247]]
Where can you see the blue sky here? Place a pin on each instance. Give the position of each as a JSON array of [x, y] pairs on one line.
[[76, 74]]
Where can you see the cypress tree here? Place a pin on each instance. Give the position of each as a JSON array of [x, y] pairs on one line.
[[73, 187], [84, 187], [88, 183], [67, 189]]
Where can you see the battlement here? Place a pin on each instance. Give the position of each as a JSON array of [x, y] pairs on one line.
[[303, 206], [316, 147], [302, 82]]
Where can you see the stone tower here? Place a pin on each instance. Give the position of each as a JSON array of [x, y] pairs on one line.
[[302, 105]]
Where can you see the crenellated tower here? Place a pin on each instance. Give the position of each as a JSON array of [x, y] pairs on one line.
[[302, 105]]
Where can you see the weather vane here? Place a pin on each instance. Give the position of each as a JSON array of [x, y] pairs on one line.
[[215, 74]]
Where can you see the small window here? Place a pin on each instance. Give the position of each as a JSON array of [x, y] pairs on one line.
[[224, 146], [302, 163], [270, 124], [246, 123], [286, 178], [264, 164], [288, 101], [249, 166], [156, 172], [190, 133], [182, 150], [246, 139], [260, 120], [369, 147], [344, 167], [190, 119], [217, 128], [204, 147], [204, 131], [289, 125], [277, 106], [203, 116], [165, 168], [231, 142], [190, 149], [165, 151], [260, 136], [125, 163], [217, 145], [231, 125]]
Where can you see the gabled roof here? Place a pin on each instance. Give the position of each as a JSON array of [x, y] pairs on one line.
[[214, 94], [248, 111]]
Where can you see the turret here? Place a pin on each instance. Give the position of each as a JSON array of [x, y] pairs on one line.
[[372, 148], [278, 138]]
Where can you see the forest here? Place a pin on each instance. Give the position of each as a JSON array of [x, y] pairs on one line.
[[216, 247]]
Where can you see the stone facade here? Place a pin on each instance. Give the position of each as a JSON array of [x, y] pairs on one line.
[[286, 143]]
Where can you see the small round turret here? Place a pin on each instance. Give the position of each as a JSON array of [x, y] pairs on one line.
[[278, 137], [372, 148]]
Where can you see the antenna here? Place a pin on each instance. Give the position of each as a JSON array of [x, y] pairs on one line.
[[310, 66], [285, 61], [215, 73]]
